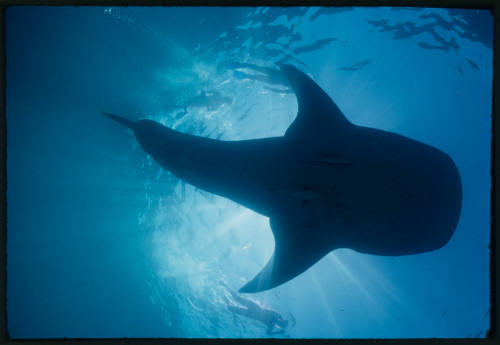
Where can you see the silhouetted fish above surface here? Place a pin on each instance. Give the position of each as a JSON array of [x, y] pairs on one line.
[[325, 184], [473, 64], [356, 66], [315, 46]]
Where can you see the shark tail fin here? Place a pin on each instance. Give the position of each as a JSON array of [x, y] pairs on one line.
[[126, 122]]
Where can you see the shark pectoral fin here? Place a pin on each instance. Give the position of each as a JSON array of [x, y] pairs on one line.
[[296, 249], [317, 113]]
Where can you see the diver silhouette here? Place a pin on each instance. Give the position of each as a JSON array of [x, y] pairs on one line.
[[266, 75], [211, 100], [275, 322]]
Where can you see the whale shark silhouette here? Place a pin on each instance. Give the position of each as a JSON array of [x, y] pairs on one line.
[[325, 184]]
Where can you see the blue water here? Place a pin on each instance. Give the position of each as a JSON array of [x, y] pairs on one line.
[[103, 243]]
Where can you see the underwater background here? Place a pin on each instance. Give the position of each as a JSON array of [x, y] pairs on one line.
[[101, 242]]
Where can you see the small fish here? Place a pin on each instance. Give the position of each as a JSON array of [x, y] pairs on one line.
[[356, 66], [473, 64]]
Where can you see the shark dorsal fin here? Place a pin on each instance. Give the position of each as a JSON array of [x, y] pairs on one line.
[[317, 113], [294, 252]]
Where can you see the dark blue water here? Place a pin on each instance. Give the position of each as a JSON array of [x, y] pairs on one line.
[[103, 243]]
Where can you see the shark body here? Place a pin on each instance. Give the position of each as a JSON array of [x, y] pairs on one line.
[[325, 184]]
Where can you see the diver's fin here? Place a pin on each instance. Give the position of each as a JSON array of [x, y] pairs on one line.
[[317, 113], [126, 122], [295, 251]]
